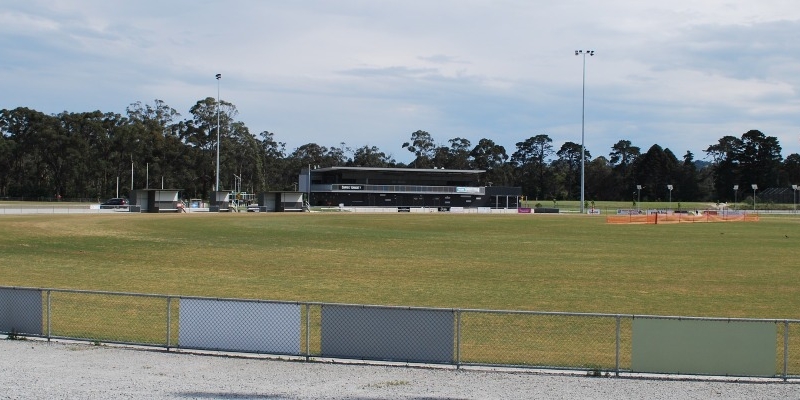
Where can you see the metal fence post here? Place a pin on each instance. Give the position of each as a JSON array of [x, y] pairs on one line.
[[169, 321], [617, 349], [49, 317], [785, 348], [308, 331], [458, 339]]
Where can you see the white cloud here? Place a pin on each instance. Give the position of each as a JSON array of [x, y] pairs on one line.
[[680, 74]]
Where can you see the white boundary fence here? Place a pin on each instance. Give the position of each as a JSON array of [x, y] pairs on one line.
[[597, 343], [60, 209]]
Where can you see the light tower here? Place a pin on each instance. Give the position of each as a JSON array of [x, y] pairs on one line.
[[583, 126], [219, 76]]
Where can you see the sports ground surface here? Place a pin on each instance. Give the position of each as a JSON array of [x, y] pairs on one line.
[[510, 262]]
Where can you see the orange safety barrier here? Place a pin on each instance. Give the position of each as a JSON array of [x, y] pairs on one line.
[[631, 219], [655, 219]]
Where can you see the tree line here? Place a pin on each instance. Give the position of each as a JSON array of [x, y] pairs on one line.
[[85, 155]]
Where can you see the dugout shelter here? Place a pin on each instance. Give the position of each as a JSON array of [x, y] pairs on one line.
[[155, 200], [404, 188], [280, 201]]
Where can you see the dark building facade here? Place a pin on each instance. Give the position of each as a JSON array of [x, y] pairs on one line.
[[404, 188]]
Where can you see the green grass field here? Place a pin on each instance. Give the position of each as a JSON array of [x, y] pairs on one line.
[[514, 262]]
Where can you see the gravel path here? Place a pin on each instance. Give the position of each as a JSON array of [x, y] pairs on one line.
[[32, 369]]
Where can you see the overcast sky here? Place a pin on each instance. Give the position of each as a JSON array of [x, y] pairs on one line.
[[679, 73]]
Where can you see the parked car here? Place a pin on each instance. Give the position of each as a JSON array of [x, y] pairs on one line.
[[116, 202]]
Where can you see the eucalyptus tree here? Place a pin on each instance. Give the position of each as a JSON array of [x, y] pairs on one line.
[[15, 161], [158, 157], [371, 156], [623, 155], [725, 165], [40, 164], [62, 151], [108, 165], [759, 159], [7, 146], [87, 138], [492, 157], [601, 180], [687, 187], [243, 161], [201, 131], [568, 168], [441, 157], [531, 161], [791, 169], [273, 154], [204, 121], [455, 156], [179, 166], [423, 147], [309, 154], [337, 156]]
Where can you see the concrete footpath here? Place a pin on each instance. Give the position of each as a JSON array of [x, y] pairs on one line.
[[33, 369]]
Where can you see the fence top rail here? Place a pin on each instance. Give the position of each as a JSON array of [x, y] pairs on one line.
[[461, 310], [322, 304], [719, 319], [631, 316], [133, 294], [235, 299], [84, 291], [554, 313]]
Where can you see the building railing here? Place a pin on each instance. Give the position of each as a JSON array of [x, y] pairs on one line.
[[601, 344], [362, 188]]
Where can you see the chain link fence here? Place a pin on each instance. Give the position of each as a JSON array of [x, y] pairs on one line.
[[600, 344], [543, 340]]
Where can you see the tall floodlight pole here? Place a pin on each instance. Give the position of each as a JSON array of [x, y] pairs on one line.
[[794, 196], [755, 187], [219, 76], [583, 125], [735, 195]]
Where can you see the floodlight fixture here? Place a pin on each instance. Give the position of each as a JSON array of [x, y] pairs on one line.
[[670, 196], [638, 196]]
